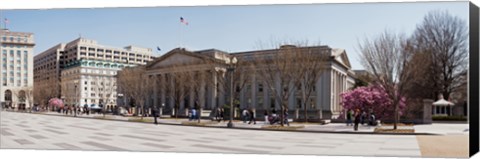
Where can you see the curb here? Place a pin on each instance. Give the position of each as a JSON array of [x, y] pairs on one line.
[[241, 128]]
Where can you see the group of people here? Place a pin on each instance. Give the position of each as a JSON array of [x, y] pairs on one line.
[[273, 118], [71, 110], [248, 115], [359, 117]]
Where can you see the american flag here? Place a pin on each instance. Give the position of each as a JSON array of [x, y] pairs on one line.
[[183, 21]]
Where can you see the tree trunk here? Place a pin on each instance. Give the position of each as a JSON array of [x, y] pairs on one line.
[[143, 112], [395, 120], [306, 114]]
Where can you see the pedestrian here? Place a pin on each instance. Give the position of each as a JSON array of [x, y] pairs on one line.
[[266, 116], [192, 114], [222, 114], [155, 113], [357, 119], [349, 117], [285, 117], [219, 114], [363, 117], [273, 118], [372, 121], [244, 115], [251, 116]]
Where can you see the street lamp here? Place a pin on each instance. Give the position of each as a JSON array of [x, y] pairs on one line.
[[231, 68], [161, 109], [120, 97], [75, 103]]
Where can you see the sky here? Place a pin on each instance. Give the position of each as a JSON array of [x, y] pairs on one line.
[[227, 28]]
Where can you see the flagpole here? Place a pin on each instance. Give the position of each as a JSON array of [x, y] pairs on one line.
[[180, 34]]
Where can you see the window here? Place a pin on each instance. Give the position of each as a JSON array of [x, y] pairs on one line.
[[260, 87], [92, 94], [85, 88]]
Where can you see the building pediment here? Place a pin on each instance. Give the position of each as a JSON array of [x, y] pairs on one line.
[[341, 57], [176, 57]]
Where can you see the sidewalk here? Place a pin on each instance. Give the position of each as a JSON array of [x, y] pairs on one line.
[[434, 129]]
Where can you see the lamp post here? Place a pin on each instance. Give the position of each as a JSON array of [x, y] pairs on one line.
[[231, 68], [120, 97], [161, 109], [63, 101], [75, 103]]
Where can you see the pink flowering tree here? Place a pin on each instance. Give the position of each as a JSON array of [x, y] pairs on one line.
[[55, 102], [371, 98]]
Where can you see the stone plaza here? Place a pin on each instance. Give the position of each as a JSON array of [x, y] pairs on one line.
[[56, 132]]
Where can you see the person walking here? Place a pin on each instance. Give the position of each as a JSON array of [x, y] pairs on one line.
[[251, 116], [244, 115], [220, 114], [357, 120], [349, 117], [285, 117], [193, 114], [363, 117], [155, 113], [266, 117]]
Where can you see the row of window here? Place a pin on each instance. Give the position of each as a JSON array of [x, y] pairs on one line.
[[11, 82], [15, 38], [14, 46]]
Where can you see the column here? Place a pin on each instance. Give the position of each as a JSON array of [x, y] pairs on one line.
[[214, 90], [202, 89], [266, 97], [221, 101], [162, 90], [155, 92], [279, 88], [291, 97], [172, 89], [191, 97], [243, 103], [254, 91]]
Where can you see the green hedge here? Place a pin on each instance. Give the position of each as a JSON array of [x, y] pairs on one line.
[[447, 118]]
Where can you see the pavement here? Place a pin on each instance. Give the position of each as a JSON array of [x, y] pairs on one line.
[[35, 131], [422, 129], [55, 132]]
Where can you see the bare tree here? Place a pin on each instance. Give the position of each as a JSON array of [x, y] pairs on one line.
[[241, 74], [44, 91], [280, 69], [441, 41], [178, 86], [312, 66], [136, 85], [387, 58], [105, 87]]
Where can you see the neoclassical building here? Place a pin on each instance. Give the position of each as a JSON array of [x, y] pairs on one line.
[[211, 73]]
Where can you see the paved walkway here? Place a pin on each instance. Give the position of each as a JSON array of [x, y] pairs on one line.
[[438, 129], [35, 131]]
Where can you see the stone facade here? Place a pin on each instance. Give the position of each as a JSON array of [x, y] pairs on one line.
[[16, 67], [211, 66], [50, 64]]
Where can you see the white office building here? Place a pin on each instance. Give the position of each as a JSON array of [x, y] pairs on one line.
[[16, 80]]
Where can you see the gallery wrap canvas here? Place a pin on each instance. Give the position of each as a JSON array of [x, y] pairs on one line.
[[272, 80]]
